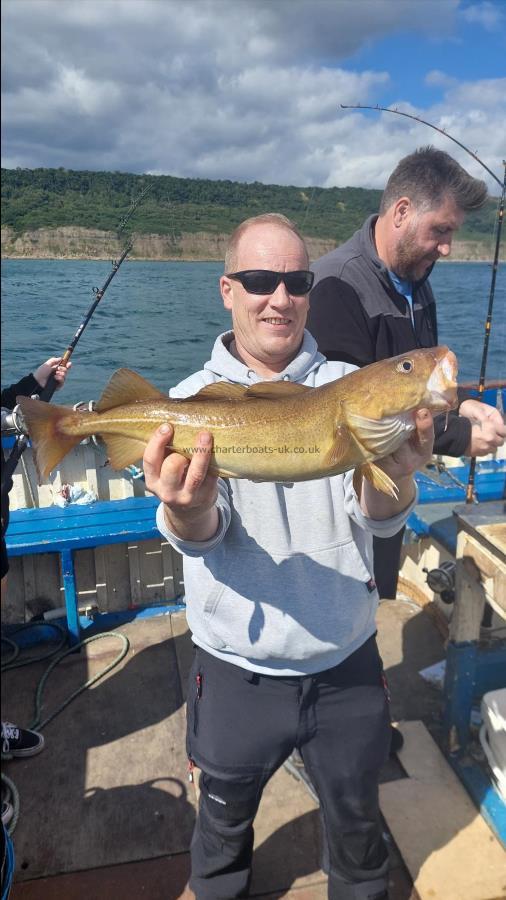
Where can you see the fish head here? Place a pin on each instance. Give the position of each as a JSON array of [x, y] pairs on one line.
[[441, 387], [425, 378]]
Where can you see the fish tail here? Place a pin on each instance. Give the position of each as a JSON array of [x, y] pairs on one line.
[[46, 428]]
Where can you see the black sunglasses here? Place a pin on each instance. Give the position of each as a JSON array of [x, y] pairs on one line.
[[264, 281]]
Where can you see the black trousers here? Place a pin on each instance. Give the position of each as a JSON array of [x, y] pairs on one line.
[[241, 727]]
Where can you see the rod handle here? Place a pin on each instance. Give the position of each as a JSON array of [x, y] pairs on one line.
[[51, 383]]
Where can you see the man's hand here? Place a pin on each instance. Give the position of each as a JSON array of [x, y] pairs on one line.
[[411, 456], [187, 489], [52, 367], [488, 430]]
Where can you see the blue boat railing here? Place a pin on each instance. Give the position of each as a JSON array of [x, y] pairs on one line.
[[449, 484]]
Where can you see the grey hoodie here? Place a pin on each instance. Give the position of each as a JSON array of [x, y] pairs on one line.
[[284, 587]]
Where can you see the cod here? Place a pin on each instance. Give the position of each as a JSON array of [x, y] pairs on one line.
[[271, 431]]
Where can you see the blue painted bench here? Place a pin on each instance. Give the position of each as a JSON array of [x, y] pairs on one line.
[[438, 495], [435, 520], [55, 530]]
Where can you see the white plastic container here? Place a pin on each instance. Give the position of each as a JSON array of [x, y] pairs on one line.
[[493, 735]]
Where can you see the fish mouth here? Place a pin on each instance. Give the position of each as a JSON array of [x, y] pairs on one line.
[[442, 400], [442, 383]]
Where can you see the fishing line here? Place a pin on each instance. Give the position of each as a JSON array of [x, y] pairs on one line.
[[500, 215]]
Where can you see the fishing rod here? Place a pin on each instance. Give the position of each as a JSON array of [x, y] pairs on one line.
[[51, 385], [399, 112], [500, 215], [47, 392], [488, 328]]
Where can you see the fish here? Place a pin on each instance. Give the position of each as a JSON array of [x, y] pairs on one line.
[[271, 431]]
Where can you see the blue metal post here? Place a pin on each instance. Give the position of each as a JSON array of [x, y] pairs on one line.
[[484, 794], [458, 692], [70, 590]]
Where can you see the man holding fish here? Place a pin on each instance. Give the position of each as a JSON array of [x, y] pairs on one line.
[[278, 573], [275, 469]]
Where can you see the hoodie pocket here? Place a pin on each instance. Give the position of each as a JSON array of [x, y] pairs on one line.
[[291, 608]]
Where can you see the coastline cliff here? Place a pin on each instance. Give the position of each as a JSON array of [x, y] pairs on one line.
[[73, 242], [67, 214]]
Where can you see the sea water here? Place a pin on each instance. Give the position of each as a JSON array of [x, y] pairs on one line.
[[161, 319]]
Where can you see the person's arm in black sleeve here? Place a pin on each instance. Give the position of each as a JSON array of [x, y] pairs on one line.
[[338, 323], [454, 439], [24, 388]]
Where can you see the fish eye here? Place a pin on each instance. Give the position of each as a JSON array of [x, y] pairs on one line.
[[405, 365]]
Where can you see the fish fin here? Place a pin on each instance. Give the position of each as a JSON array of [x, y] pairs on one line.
[[275, 390], [126, 386], [380, 435], [357, 480], [340, 446], [123, 451], [219, 390], [50, 444], [264, 390], [377, 477], [222, 473], [279, 483]]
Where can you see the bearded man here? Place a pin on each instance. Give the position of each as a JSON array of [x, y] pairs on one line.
[[372, 299]]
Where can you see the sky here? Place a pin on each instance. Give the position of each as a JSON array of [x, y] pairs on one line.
[[252, 90]]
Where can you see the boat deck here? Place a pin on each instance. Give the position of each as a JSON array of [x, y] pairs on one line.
[[106, 809]]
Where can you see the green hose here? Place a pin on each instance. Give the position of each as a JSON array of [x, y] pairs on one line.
[[30, 659], [37, 723], [40, 687]]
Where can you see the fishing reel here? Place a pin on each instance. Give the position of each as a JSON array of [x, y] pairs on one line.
[[13, 421], [442, 580], [88, 406]]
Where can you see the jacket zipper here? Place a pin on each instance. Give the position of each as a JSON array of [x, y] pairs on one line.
[[198, 695]]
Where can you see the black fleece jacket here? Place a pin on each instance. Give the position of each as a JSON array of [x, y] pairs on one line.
[[357, 315], [24, 388]]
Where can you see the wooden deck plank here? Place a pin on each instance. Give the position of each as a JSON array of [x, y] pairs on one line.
[[447, 846]]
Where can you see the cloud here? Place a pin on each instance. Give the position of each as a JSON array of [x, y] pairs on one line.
[[439, 79], [225, 88], [489, 15]]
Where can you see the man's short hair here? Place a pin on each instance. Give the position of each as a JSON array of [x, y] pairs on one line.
[[264, 219], [428, 176]]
